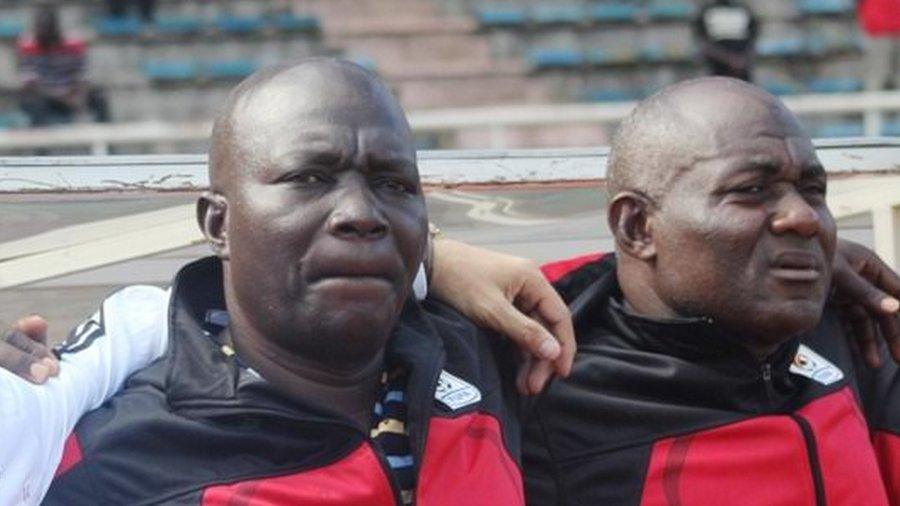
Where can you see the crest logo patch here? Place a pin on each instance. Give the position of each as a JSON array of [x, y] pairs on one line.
[[454, 392], [810, 364]]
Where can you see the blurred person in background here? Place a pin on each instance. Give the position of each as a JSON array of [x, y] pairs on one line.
[[119, 9], [52, 74], [726, 31], [880, 23]]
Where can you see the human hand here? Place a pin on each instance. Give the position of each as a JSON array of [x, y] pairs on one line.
[[868, 291], [508, 295], [24, 351]]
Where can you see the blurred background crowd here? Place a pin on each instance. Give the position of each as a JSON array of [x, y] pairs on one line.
[[173, 61]]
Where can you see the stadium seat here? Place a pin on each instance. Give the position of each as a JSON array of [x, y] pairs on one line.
[[117, 27], [501, 16], [840, 129], [781, 87], [290, 22], [230, 69], [781, 47], [891, 128], [652, 53], [557, 58], [235, 24], [814, 7], [12, 119], [178, 25], [557, 14], [611, 95], [612, 12], [670, 9], [10, 29], [834, 85], [170, 71]]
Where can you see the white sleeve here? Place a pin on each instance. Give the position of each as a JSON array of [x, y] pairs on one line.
[[420, 284], [126, 334]]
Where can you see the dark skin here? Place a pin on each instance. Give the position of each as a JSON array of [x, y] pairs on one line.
[[743, 236], [317, 212]]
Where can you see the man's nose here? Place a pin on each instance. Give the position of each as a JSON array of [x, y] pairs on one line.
[[796, 215], [355, 217]]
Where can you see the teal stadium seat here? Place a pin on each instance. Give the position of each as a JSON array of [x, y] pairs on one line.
[[611, 95], [237, 24], [781, 47], [117, 27], [170, 71], [290, 22], [10, 29], [781, 88], [12, 119], [834, 85], [823, 7], [670, 9], [840, 129], [497, 16], [612, 12], [556, 58], [230, 69], [178, 25], [891, 128], [558, 14]]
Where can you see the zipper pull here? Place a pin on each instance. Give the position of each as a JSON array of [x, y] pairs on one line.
[[767, 372], [768, 388]]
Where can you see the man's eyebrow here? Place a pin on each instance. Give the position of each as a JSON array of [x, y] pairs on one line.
[[766, 165]]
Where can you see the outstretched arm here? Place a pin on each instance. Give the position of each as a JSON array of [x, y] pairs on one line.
[[35, 420]]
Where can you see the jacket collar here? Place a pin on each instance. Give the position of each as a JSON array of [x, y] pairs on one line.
[[202, 381], [696, 339]]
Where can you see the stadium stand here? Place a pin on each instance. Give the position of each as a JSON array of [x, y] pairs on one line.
[[440, 54]]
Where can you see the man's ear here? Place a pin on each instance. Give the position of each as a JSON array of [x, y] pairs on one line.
[[212, 216], [630, 221]]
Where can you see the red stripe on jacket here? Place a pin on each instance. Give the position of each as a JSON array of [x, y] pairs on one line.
[[466, 463], [71, 456], [354, 480], [887, 448], [554, 271], [765, 460]]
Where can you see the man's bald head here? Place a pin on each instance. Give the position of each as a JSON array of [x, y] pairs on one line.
[[268, 102], [679, 125]]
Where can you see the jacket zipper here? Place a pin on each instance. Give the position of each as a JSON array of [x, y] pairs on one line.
[[386, 469], [766, 373], [812, 454]]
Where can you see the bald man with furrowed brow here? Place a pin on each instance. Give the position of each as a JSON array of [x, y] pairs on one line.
[[297, 367], [711, 367]]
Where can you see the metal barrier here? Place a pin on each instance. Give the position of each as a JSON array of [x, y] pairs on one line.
[[865, 178], [99, 138]]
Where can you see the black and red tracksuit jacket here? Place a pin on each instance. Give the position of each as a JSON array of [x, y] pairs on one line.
[[677, 413], [195, 428]]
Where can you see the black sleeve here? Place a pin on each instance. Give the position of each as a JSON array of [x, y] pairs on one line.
[[542, 485]]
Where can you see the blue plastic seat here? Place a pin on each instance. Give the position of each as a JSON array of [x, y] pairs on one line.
[[652, 53], [670, 9], [557, 58], [891, 128], [611, 95], [552, 14], [501, 16], [824, 6], [12, 119], [840, 129], [10, 29], [781, 47], [232, 23], [612, 12], [781, 87], [170, 71], [835, 85], [290, 22], [118, 27], [230, 69], [178, 25]]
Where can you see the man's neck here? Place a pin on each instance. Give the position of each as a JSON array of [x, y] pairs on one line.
[[351, 394]]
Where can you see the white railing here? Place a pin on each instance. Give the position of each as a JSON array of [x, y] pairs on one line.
[[99, 138], [865, 176]]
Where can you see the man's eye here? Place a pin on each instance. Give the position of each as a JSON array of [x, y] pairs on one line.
[[814, 189], [750, 189], [306, 178], [393, 185]]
